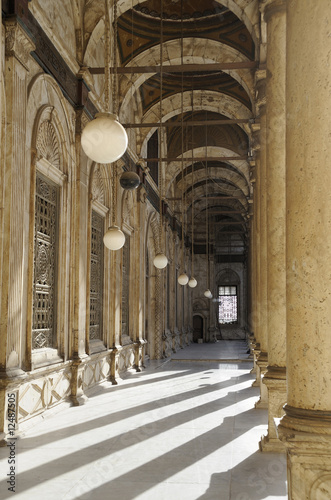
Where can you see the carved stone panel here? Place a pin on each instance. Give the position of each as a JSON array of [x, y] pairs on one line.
[[47, 144]]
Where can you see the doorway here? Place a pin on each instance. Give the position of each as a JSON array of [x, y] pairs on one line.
[[197, 328]]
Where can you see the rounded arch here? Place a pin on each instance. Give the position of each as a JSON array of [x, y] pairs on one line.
[[227, 276], [199, 322], [99, 184], [46, 103], [219, 52]]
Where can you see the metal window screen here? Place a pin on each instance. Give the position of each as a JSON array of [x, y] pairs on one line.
[[126, 287], [45, 248], [96, 276], [228, 306]]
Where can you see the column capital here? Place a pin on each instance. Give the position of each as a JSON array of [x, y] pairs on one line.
[[272, 7], [17, 44]]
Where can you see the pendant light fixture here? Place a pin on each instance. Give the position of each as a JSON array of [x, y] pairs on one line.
[[207, 293], [182, 278], [114, 238], [160, 260], [192, 282], [129, 180], [104, 139]]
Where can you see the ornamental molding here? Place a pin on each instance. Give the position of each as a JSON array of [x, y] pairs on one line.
[[17, 43], [97, 189], [47, 144]]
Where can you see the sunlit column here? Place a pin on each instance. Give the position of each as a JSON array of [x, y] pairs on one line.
[[306, 426]]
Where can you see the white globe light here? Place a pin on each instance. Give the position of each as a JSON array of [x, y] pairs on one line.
[[183, 279], [160, 261], [208, 294], [114, 238], [192, 283], [104, 139]]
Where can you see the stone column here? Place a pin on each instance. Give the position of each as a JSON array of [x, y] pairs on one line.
[[255, 343], [17, 51], [261, 243], [78, 266], [275, 376], [306, 426], [14, 234], [140, 278], [262, 360]]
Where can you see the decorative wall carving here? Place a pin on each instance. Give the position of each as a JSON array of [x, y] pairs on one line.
[[95, 372], [39, 394], [97, 189], [126, 358], [47, 143], [17, 43]]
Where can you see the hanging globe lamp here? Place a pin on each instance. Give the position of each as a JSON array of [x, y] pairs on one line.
[[114, 238], [160, 261], [104, 139]]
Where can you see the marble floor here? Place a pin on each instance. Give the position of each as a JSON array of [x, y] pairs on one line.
[[180, 430]]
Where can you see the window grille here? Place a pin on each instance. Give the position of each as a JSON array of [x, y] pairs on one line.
[[96, 276], [153, 152], [45, 257], [125, 287], [168, 297], [228, 306]]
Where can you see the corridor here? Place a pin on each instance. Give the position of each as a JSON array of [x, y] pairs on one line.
[[183, 429]]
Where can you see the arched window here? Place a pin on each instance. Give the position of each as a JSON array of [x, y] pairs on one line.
[[45, 263], [228, 288], [228, 305], [125, 286], [96, 279]]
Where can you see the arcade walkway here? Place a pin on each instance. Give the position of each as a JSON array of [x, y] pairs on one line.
[[184, 429]]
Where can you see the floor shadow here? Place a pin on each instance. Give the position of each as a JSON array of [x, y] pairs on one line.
[[260, 476], [138, 480], [205, 444], [113, 417]]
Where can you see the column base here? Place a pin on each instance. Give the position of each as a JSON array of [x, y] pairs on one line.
[[271, 445], [306, 435], [275, 381], [262, 364], [261, 405], [256, 353], [77, 396]]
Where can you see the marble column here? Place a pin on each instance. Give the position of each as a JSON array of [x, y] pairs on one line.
[[255, 343], [262, 360], [78, 266], [306, 427], [15, 192], [140, 274], [14, 232], [261, 175], [275, 376]]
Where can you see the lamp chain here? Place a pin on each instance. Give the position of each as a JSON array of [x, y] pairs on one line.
[[161, 129], [115, 78], [114, 198], [107, 56], [182, 135], [207, 220], [192, 186]]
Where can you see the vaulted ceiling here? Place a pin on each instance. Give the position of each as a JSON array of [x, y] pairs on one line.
[[205, 81]]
